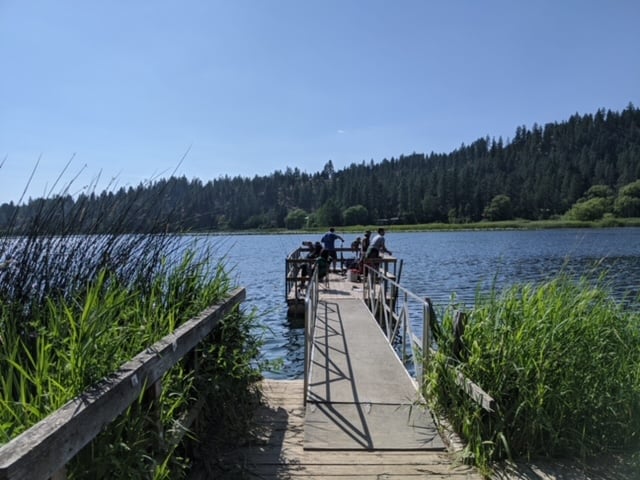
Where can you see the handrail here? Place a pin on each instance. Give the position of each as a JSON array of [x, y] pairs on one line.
[[290, 270], [392, 306], [378, 290], [310, 315], [43, 450]]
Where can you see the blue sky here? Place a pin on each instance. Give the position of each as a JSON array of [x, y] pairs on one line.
[[126, 91]]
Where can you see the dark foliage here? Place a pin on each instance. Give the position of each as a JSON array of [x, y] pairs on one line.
[[543, 171]]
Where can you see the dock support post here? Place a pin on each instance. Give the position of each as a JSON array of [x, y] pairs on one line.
[[426, 338], [405, 319]]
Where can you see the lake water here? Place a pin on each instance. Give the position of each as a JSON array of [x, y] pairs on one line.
[[436, 265]]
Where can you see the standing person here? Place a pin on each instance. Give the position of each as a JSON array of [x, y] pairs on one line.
[[366, 241], [377, 245], [329, 242], [314, 252]]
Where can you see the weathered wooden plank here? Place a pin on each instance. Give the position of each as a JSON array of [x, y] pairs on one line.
[[283, 456], [476, 393], [292, 475], [385, 476], [356, 470], [51, 443], [268, 455]]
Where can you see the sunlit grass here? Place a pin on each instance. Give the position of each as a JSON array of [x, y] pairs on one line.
[[562, 361], [74, 308]]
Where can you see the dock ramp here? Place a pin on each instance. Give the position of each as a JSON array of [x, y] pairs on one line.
[[360, 396]]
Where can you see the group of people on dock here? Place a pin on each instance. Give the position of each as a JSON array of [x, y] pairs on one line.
[[370, 248], [324, 252]]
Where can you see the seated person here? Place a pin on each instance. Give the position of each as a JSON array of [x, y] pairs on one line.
[[356, 246], [314, 252]]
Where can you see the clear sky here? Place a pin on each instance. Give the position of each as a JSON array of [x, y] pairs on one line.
[[127, 91]]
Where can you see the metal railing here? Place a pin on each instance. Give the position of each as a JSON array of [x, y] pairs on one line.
[[396, 310], [394, 307], [310, 316]]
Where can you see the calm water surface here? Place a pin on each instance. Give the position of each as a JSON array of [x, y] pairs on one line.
[[436, 265]]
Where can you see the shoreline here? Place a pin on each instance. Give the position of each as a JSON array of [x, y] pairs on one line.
[[444, 227]]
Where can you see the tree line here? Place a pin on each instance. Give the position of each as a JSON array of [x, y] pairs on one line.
[[585, 167]]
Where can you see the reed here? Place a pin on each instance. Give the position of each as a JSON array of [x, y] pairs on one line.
[[73, 308], [561, 359]]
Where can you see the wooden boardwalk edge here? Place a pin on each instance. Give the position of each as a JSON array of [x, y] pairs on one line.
[[278, 452]]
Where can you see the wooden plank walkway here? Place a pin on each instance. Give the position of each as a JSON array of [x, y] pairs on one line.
[[278, 451], [364, 418], [360, 395]]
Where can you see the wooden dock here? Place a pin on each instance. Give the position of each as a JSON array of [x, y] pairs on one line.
[[278, 452], [364, 417], [360, 395], [358, 414]]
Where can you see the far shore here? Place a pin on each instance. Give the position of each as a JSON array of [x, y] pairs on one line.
[[444, 227]]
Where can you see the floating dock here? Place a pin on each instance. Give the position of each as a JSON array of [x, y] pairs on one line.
[[357, 413]]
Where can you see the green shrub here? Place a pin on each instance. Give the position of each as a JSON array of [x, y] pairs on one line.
[[589, 210]]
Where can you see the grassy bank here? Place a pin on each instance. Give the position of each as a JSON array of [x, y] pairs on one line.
[[503, 225], [561, 360], [437, 227]]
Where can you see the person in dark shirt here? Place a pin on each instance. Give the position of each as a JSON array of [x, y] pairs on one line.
[[356, 246], [366, 241]]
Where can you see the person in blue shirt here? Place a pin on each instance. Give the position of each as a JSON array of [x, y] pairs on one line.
[[329, 242]]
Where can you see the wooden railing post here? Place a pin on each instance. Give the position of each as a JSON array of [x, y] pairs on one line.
[[459, 323], [60, 474], [151, 398], [196, 358], [426, 338]]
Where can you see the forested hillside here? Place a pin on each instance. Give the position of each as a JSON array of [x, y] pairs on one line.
[[586, 166]]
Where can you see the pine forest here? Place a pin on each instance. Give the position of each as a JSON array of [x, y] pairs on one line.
[[584, 168]]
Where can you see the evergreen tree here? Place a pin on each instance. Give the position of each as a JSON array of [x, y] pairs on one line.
[[587, 165]]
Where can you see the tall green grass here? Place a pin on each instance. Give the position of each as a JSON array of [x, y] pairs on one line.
[[132, 448], [73, 308], [71, 343], [562, 361]]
